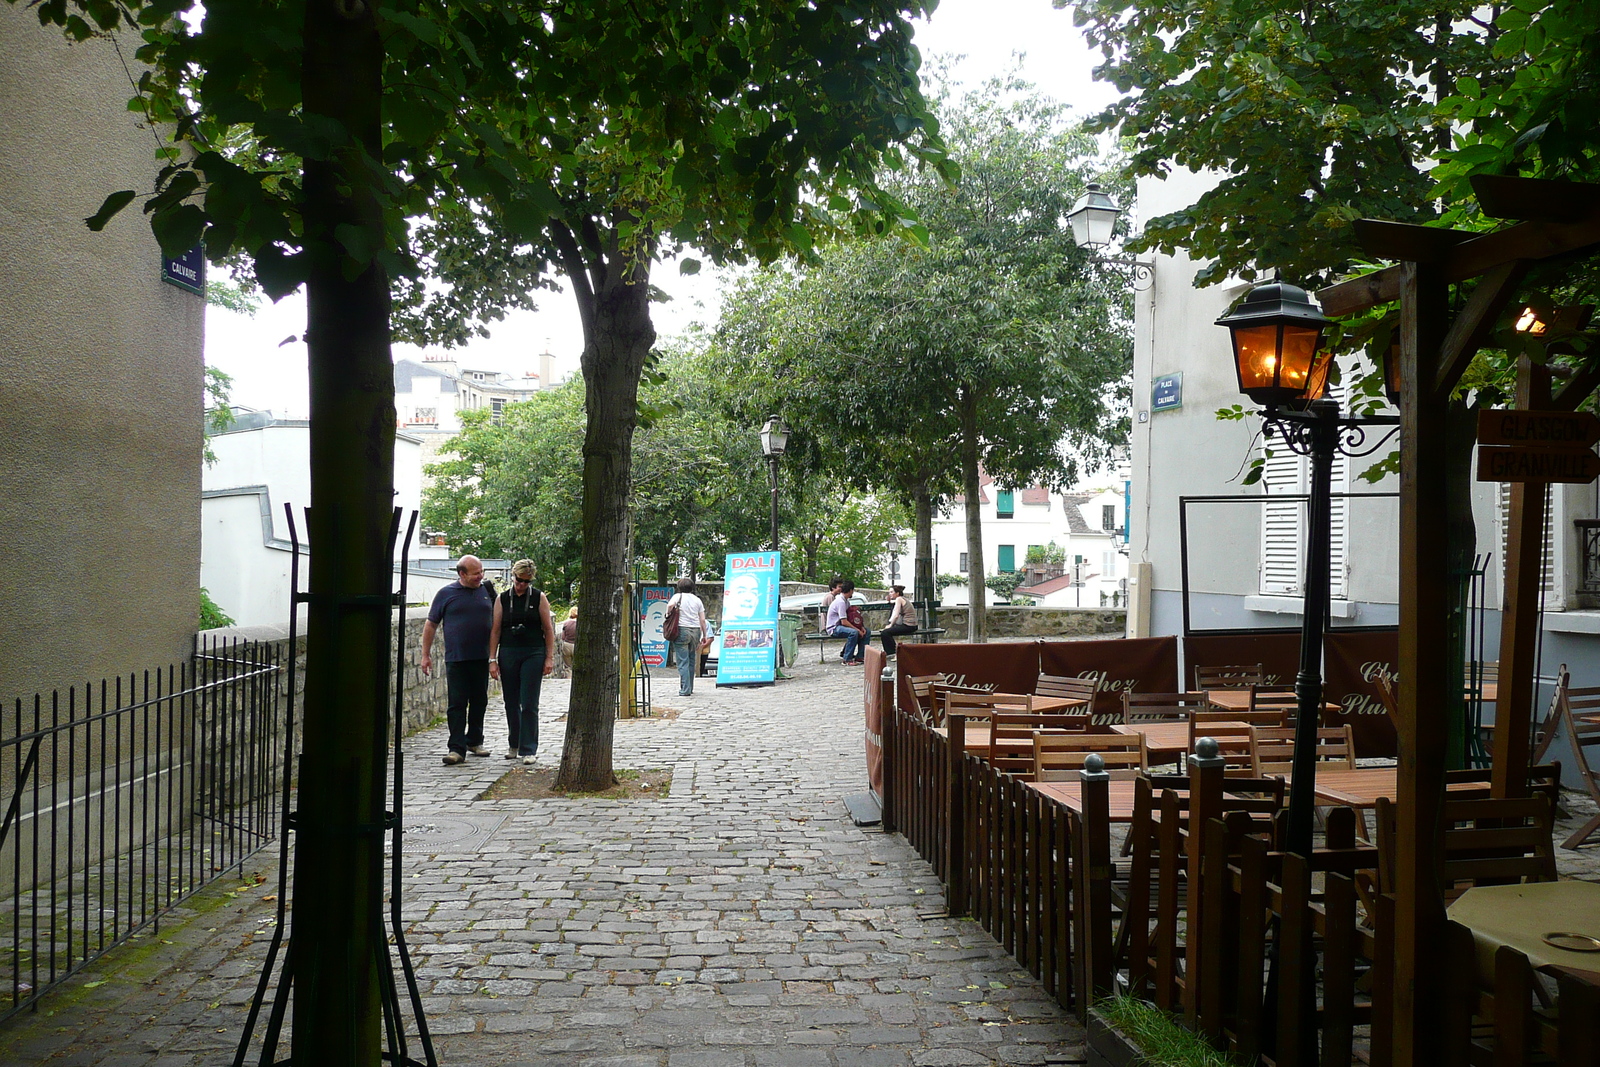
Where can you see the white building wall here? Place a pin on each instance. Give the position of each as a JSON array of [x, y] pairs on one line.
[[245, 548]]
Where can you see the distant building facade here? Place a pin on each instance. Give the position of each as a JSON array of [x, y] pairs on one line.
[[100, 385]]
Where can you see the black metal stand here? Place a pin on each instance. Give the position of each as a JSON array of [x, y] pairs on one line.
[[1317, 432], [396, 1052]]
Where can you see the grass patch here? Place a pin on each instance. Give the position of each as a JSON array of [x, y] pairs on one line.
[[1162, 1041]]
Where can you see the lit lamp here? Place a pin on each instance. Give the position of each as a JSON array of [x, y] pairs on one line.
[[1391, 372], [1093, 218], [1277, 331], [774, 439]]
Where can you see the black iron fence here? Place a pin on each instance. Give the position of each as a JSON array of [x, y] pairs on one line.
[[123, 798]]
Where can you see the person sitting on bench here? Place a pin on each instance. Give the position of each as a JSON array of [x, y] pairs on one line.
[[902, 619], [840, 624]]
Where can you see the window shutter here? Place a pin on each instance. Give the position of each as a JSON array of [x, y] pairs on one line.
[[1547, 561], [1282, 524]]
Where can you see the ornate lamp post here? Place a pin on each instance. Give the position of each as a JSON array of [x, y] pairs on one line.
[[774, 439], [1093, 219], [895, 547], [1277, 334]]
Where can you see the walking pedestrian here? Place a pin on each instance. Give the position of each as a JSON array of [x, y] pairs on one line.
[[692, 623], [902, 620], [522, 650], [465, 608], [569, 643]]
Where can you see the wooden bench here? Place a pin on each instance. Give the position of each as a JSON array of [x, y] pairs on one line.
[[914, 636]]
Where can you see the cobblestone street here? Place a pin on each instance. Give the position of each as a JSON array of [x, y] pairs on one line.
[[741, 921]]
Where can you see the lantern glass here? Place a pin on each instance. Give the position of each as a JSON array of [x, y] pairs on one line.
[[774, 437], [1274, 360], [1391, 373], [1093, 218]]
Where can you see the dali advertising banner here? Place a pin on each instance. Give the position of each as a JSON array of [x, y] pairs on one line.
[[652, 612], [749, 619], [1135, 664]]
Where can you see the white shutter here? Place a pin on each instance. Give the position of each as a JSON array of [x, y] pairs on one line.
[[1547, 561], [1282, 524], [1338, 516]]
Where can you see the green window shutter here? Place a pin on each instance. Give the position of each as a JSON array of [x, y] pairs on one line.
[[1008, 558], [1004, 506]]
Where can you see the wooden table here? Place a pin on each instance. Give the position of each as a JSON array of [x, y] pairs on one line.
[[1521, 916], [1361, 788], [1070, 795], [1238, 700], [1167, 741]]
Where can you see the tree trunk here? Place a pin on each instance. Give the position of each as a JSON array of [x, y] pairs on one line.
[[338, 939], [663, 561], [977, 608], [923, 593], [618, 336]]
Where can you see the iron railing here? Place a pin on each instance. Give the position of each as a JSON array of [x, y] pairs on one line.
[[1588, 554], [122, 799]]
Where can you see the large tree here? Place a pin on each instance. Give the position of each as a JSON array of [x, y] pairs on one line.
[[331, 144], [994, 342]]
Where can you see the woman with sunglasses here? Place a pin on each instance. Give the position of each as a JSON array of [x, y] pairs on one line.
[[522, 649]]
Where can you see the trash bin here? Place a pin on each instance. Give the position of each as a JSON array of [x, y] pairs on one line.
[[789, 637]]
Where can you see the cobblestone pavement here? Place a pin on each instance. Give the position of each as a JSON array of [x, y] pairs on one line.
[[741, 921]]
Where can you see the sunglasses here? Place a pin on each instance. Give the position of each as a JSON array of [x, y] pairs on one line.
[[520, 580]]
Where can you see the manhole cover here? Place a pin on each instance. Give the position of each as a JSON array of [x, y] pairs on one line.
[[442, 833]]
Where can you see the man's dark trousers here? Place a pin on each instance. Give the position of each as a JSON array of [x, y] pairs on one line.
[[467, 688]]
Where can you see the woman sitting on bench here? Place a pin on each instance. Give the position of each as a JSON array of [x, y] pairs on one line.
[[902, 619]]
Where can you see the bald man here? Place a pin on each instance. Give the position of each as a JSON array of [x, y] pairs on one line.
[[466, 609]]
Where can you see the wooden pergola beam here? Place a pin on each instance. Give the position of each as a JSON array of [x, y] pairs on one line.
[[1476, 321], [1468, 259]]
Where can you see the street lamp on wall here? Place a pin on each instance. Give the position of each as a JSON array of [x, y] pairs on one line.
[[774, 440], [1093, 220], [1277, 350]]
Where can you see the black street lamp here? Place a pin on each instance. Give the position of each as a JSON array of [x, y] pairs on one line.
[[895, 547], [774, 439], [1093, 219], [1277, 335]]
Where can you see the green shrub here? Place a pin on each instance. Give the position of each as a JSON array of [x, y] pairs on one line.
[[1162, 1041], [211, 616]]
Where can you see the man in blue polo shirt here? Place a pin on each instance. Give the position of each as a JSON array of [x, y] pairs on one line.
[[466, 608]]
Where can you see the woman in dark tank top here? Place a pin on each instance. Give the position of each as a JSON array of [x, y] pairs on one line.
[[522, 649]]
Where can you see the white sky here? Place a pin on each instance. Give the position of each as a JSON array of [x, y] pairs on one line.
[[271, 375]]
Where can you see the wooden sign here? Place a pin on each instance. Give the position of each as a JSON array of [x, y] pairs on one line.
[[1538, 429], [1498, 463]]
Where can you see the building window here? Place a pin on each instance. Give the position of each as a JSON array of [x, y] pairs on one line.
[[426, 416], [961, 568], [1108, 516], [1283, 525], [1004, 504], [1008, 559], [499, 404]]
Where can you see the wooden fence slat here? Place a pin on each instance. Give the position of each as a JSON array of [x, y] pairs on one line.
[[1248, 996], [1166, 930], [1296, 1029], [1458, 957], [1513, 993], [1209, 941], [1338, 968]]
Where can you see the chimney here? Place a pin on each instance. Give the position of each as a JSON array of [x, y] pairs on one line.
[[546, 380]]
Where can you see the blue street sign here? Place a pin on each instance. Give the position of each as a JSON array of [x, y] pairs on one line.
[[1166, 392], [187, 271]]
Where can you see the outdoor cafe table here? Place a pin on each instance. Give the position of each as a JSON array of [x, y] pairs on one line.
[[1361, 788], [1523, 915], [1070, 794], [1238, 700], [1168, 741]]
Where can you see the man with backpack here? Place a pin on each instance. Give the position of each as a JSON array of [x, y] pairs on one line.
[[844, 620]]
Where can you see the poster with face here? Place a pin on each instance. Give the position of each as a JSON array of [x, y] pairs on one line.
[[749, 619], [652, 612]]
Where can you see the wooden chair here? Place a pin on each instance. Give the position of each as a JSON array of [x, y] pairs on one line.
[[1161, 707], [1486, 841], [1062, 687], [1233, 676], [1272, 749], [922, 689], [1233, 744], [940, 693], [1058, 757], [1011, 736], [1580, 714], [1272, 706]]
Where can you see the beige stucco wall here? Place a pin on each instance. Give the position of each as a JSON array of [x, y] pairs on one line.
[[100, 381]]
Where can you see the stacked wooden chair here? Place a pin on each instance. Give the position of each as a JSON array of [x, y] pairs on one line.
[[1012, 733], [1580, 714], [1161, 707], [1059, 757], [1231, 676]]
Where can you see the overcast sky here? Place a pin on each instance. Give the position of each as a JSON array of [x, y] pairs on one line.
[[986, 33]]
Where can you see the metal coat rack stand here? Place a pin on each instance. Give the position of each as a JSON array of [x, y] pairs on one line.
[[396, 1051]]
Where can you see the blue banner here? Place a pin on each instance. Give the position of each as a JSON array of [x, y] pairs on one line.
[[749, 619], [652, 611]]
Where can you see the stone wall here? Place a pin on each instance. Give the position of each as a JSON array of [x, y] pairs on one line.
[[425, 696], [1006, 621]]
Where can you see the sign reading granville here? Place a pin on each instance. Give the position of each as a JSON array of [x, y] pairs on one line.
[[1497, 463], [1538, 429]]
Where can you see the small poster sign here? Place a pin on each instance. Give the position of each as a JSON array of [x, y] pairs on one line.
[[1166, 392], [187, 271]]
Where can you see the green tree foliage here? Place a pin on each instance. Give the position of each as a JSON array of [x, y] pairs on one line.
[[218, 411], [211, 616], [906, 366]]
